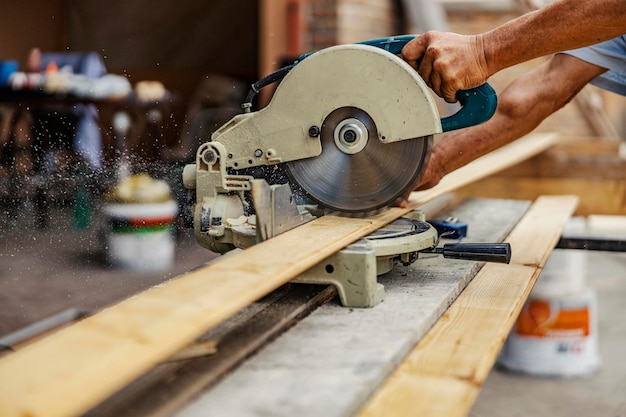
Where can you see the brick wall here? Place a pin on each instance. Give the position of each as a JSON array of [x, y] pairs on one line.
[[332, 22]]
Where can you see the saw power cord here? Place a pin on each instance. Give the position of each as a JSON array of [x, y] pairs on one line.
[[264, 82]]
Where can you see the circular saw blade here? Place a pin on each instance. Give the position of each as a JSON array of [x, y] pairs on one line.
[[356, 172]]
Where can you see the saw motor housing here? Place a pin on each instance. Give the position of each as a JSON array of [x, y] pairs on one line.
[[379, 83]]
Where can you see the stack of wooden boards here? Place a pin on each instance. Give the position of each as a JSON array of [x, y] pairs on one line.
[[73, 370]]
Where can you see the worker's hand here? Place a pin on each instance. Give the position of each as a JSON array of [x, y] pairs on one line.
[[429, 177], [448, 62]]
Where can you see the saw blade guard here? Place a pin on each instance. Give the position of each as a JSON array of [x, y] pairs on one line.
[[477, 104], [376, 116]]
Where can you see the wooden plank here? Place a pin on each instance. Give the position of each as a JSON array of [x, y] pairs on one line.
[[109, 350], [195, 350], [585, 145], [154, 394], [587, 167], [332, 361], [444, 373], [574, 157], [597, 196], [607, 225]]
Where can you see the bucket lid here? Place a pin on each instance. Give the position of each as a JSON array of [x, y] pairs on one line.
[[139, 189], [142, 211]]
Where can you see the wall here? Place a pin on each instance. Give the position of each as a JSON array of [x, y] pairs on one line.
[[30, 23], [179, 42], [216, 36], [174, 42], [331, 22]]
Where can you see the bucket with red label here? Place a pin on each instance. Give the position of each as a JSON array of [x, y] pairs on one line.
[[139, 219], [556, 331]]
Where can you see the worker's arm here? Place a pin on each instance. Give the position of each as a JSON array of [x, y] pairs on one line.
[[522, 106], [450, 62]]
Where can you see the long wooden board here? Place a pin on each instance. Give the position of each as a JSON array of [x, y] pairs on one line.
[[587, 167], [443, 374], [73, 370]]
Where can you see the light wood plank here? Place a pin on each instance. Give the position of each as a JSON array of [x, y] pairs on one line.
[[195, 350], [573, 162], [590, 169], [597, 195], [73, 370], [444, 373]]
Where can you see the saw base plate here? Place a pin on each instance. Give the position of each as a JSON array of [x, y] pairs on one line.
[[354, 270]]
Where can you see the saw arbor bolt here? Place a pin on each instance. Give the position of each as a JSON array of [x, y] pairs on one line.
[[351, 136]]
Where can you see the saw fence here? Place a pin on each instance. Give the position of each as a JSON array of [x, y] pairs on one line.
[[74, 370]]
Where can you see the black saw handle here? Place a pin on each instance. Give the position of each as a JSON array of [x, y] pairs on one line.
[[482, 252]]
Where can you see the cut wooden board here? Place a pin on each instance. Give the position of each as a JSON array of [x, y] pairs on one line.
[[73, 370], [587, 167], [444, 373]]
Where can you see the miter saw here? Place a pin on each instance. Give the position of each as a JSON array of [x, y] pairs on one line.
[[347, 130]]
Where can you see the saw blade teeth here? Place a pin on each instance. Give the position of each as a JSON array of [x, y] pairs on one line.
[[355, 214]]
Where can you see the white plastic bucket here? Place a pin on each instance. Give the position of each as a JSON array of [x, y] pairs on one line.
[[140, 236], [556, 332]]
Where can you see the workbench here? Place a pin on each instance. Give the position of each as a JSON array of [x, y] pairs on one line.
[[126, 345], [333, 361]]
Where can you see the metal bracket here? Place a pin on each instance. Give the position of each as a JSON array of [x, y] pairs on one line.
[[353, 271], [276, 210]]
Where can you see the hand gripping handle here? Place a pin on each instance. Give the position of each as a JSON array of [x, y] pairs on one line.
[[477, 104]]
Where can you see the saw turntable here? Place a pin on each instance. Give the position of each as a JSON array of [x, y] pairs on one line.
[[347, 130]]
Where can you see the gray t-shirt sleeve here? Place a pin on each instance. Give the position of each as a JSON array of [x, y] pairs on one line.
[[610, 55]]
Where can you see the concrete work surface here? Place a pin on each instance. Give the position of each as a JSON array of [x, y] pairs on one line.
[[43, 272]]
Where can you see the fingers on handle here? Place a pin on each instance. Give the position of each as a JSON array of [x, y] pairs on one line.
[[425, 68], [448, 93], [414, 50]]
